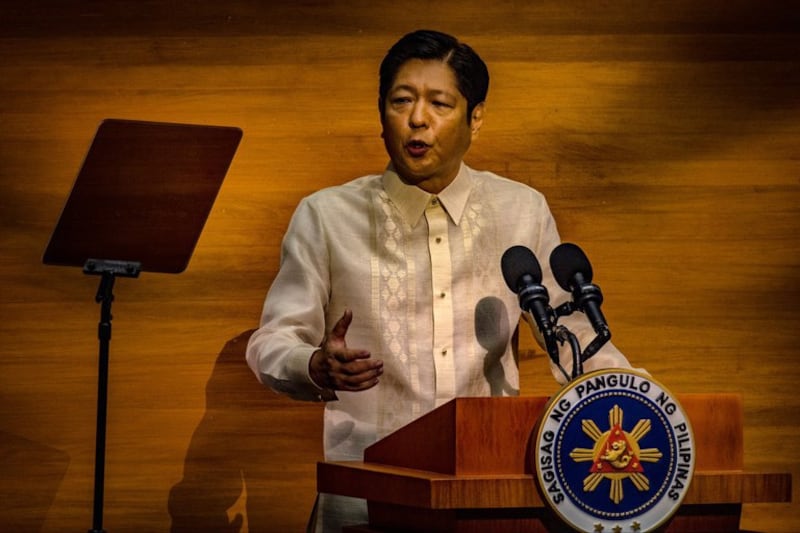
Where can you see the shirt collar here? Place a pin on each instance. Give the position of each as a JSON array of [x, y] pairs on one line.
[[411, 201]]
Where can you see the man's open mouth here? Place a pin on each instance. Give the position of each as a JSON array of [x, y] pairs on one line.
[[416, 148]]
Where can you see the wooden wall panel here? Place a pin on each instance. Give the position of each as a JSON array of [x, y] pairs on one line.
[[664, 134]]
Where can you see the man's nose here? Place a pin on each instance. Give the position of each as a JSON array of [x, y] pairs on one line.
[[419, 116]]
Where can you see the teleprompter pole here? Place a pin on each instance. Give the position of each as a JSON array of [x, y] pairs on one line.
[[108, 272]]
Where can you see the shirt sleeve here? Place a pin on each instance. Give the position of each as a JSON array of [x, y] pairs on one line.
[[293, 318]]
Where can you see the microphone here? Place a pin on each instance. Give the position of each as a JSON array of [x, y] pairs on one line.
[[523, 275], [573, 273]]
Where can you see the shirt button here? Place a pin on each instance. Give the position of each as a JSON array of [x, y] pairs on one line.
[[442, 295], [438, 240], [444, 352]]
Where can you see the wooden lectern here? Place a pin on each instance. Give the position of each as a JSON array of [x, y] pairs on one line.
[[464, 467]]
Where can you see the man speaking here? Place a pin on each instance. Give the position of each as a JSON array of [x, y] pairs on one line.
[[390, 300]]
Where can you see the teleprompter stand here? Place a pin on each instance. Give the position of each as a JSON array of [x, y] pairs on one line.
[[139, 203], [108, 272]]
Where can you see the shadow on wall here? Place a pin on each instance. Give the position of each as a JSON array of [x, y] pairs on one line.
[[24, 506], [250, 445]]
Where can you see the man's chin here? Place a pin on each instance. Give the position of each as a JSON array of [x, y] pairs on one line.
[[412, 174]]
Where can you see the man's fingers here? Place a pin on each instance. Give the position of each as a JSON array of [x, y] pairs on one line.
[[340, 329], [341, 368], [360, 366], [357, 381], [350, 356]]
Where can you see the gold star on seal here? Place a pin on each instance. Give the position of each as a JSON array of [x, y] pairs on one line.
[[616, 455]]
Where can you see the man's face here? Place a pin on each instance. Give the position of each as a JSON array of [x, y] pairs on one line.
[[425, 125]]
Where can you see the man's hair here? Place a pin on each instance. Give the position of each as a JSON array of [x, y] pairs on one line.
[[472, 76]]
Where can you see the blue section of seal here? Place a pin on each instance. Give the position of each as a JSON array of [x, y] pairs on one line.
[[598, 501]]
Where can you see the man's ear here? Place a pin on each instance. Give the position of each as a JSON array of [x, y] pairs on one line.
[[477, 119], [380, 113]]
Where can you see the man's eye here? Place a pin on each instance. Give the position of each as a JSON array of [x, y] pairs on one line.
[[439, 103], [401, 100]]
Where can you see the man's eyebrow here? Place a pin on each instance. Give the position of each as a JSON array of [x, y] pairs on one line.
[[433, 92], [403, 87]]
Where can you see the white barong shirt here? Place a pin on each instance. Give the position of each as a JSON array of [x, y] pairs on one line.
[[422, 275]]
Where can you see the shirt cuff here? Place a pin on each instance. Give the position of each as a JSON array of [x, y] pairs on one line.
[[298, 367]]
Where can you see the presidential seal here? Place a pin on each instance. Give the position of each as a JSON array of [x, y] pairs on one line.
[[614, 453]]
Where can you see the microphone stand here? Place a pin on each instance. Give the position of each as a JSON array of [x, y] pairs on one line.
[[603, 336], [563, 334], [552, 348]]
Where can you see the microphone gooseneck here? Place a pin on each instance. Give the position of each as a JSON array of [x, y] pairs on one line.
[[573, 272], [523, 275]]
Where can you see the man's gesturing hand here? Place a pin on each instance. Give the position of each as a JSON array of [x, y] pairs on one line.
[[335, 366]]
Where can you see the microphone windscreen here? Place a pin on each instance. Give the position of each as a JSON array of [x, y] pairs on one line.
[[515, 263], [567, 260]]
